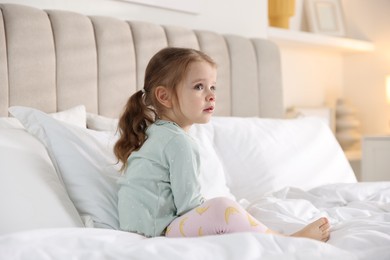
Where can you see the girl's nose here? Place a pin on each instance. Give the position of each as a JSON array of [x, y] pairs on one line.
[[211, 97]]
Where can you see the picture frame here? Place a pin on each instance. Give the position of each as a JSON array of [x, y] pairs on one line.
[[325, 17], [187, 6]]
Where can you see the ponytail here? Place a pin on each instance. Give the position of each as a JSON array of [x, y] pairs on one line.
[[132, 126]]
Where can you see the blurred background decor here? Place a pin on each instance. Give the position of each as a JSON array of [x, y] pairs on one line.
[[347, 126], [325, 17], [280, 11]]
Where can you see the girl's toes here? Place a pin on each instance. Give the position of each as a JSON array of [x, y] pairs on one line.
[[325, 235], [325, 227]]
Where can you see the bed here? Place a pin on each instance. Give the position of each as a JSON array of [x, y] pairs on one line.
[[64, 78]]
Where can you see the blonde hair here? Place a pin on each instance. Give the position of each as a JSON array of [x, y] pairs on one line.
[[167, 68]]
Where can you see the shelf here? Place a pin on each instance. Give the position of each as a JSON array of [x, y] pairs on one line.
[[290, 38]]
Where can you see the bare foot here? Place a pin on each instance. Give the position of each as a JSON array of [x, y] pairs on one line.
[[318, 230]]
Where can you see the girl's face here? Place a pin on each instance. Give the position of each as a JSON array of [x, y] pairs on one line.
[[196, 95]]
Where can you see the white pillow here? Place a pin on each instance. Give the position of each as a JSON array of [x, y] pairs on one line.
[[101, 123], [32, 196], [84, 160], [10, 122], [264, 155], [212, 177], [76, 115]]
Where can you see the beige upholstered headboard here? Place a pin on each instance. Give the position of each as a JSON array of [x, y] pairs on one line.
[[53, 60]]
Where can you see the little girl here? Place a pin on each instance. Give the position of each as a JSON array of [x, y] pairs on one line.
[[160, 192]]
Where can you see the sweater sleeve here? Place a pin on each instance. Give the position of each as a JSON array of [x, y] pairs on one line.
[[183, 160]]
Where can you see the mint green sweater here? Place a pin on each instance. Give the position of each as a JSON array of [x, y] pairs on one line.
[[161, 181]]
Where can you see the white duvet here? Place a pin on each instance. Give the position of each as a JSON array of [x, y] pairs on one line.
[[359, 214]]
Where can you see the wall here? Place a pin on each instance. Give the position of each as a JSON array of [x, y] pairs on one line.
[[364, 78], [311, 77], [318, 78], [215, 15]]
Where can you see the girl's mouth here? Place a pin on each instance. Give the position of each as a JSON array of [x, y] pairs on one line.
[[209, 109]]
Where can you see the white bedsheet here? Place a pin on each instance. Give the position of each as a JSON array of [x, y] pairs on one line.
[[359, 214], [78, 243]]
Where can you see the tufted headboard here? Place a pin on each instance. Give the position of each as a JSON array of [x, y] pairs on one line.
[[53, 60]]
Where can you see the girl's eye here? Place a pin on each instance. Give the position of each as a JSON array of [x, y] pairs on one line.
[[199, 87], [213, 88]]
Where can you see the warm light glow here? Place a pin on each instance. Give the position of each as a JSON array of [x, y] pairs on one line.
[[388, 88]]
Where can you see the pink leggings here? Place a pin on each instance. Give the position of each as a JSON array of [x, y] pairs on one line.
[[215, 216]]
